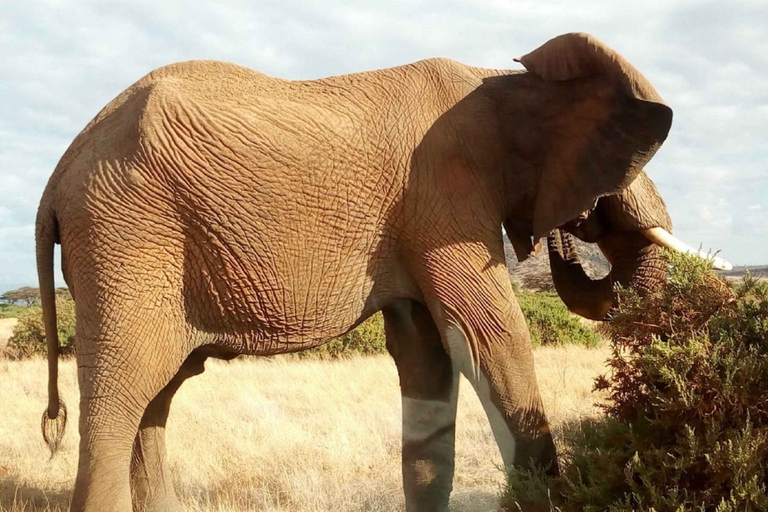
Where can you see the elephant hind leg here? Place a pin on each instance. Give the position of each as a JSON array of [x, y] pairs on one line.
[[123, 363], [151, 482], [429, 386]]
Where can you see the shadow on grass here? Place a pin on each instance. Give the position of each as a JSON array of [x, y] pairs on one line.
[[16, 495]]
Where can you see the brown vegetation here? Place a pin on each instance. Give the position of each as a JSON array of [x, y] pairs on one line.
[[686, 425]]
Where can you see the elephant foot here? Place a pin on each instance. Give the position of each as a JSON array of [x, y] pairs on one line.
[[426, 487], [539, 452], [143, 502]]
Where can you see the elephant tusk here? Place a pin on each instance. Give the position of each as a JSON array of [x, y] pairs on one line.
[[664, 238]]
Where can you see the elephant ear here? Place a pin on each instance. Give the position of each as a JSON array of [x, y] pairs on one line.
[[598, 145]]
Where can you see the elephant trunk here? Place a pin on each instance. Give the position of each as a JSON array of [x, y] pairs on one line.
[[590, 298], [635, 262]]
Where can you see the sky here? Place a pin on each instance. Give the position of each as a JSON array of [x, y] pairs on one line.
[[61, 61]]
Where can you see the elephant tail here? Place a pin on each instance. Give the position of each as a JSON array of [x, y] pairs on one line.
[[54, 419]]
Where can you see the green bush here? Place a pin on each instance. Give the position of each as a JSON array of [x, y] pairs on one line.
[[11, 310], [28, 336], [548, 319], [550, 322], [686, 425]]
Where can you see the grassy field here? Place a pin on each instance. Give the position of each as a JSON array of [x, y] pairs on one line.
[[281, 435]]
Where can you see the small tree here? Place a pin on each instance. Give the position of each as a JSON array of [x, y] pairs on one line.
[[25, 294], [28, 336]]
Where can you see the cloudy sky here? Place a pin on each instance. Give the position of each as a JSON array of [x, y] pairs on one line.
[[62, 60]]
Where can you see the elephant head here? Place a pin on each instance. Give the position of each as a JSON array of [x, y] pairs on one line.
[[617, 224], [630, 228], [630, 224]]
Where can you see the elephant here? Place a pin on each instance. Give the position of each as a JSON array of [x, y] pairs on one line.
[[211, 211]]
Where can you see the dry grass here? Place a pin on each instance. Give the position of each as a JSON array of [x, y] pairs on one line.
[[6, 329], [280, 435]]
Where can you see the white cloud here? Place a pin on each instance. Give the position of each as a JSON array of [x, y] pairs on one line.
[[62, 60]]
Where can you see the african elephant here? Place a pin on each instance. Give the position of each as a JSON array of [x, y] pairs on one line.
[[211, 211]]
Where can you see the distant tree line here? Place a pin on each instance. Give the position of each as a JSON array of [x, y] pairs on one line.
[[29, 296]]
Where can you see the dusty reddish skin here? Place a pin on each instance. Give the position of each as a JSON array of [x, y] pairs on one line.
[[210, 210]]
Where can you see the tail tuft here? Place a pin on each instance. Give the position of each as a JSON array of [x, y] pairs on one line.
[[53, 428]]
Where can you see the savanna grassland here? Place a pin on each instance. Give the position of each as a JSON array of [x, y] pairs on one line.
[[682, 423], [281, 434]]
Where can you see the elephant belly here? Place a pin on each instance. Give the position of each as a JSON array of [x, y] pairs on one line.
[[269, 300]]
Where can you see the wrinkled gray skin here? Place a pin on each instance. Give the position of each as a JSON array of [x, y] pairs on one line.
[[211, 211]]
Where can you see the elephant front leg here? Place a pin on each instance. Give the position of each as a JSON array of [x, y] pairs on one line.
[[502, 373], [484, 331], [151, 481], [429, 387]]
